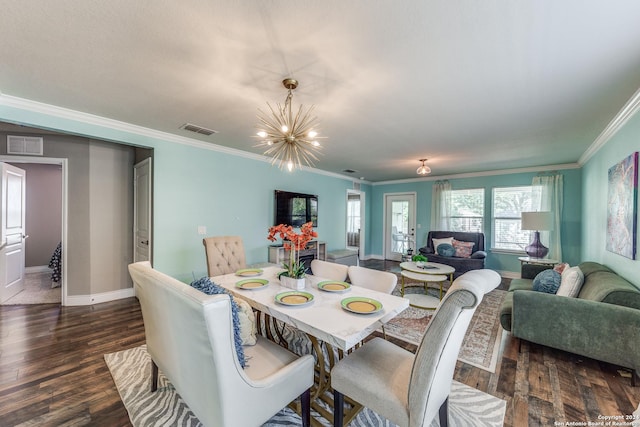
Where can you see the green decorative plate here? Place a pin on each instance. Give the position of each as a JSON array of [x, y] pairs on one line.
[[252, 283], [294, 298], [361, 305], [249, 272], [334, 286]]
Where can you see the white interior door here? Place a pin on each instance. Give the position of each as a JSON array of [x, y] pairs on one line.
[[142, 211], [400, 225], [12, 231]]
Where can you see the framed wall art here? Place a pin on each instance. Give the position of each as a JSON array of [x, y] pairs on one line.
[[622, 219]]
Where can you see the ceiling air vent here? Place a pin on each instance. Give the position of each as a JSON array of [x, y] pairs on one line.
[[198, 129], [26, 145], [349, 171]]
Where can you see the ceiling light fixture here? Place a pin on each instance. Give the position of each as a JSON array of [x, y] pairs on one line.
[[291, 138], [423, 170]]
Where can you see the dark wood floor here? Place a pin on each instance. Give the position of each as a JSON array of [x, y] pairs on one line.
[[52, 371]]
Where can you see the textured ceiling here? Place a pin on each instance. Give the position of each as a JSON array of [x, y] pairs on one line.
[[471, 85]]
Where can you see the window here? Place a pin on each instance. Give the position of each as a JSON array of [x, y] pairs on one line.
[[467, 210], [508, 203]]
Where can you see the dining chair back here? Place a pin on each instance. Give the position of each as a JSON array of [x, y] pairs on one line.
[[190, 338], [329, 270], [225, 254], [381, 281], [410, 390]]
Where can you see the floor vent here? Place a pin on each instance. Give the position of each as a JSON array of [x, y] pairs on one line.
[[26, 145], [198, 129]]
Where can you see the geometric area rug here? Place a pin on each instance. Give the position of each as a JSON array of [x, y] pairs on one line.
[[131, 372], [481, 343]]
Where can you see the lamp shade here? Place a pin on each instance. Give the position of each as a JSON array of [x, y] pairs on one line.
[[537, 221]]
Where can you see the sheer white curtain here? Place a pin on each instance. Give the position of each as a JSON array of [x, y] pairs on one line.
[[441, 205], [547, 196]]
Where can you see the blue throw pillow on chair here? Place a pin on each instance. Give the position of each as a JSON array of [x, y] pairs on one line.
[[547, 281], [445, 249], [208, 287]]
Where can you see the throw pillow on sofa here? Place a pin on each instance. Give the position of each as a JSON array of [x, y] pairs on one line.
[[438, 242], [446, 249], [463, 249], [572, 279], [547, 281]]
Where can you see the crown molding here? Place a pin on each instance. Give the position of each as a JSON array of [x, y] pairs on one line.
[[630, 108], [91, 119], [547, 168]]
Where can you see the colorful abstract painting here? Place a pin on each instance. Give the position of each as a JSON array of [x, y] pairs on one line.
[[622, 207]]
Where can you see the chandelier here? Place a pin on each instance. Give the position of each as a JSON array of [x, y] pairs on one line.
[[291, 139], [424, 169]]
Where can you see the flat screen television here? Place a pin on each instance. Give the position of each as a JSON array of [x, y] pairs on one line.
[[295, 209]]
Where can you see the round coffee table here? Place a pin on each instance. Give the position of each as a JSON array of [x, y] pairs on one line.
[[425, 300], [429, 268], [429, 272]]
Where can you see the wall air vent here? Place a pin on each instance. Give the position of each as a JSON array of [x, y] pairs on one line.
[[356, 185], [26, 145], [198, 129]]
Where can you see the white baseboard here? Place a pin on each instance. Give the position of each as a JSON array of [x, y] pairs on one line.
[[38, 269], [99, 298]]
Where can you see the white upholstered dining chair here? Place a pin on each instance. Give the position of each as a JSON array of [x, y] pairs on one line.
[[329, 270], [190, 338], [381, 281], [409, 389], [225, 254]]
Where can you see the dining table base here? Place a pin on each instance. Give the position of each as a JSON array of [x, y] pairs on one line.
[[325, 356]]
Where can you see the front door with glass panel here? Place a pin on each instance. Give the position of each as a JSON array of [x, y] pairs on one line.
[[399, 225]]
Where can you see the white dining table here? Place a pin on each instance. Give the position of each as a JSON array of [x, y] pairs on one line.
[[324, 317]]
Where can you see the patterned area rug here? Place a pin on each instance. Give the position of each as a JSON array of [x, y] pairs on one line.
[[482, 341], [131, 373]]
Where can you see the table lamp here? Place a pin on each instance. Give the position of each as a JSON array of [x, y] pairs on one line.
[[537, 221]]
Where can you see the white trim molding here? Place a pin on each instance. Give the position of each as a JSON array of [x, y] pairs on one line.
[[65, 113], [100, 298], [629, 110]]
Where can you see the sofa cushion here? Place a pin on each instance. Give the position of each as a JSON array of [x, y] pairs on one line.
[[205, 285], [463, 249], [521, 284], [547, 281], [571, 282], [446, 249]]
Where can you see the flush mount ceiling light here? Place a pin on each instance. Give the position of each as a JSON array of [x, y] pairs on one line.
[[423, 170], [291, 139]]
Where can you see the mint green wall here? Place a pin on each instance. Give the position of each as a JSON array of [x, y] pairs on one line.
[[229, 194], [594, 194], [571, 217]]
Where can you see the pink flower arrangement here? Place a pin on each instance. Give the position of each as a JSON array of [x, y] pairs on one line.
[[293, 242]]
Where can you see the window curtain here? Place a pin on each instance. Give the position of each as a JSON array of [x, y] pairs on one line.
[[547, 196], [441, 206]]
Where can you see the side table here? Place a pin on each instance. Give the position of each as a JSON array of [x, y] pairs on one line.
[[534, 265], [537, 261]]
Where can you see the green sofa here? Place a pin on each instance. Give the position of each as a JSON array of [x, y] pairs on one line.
[[601, 323]]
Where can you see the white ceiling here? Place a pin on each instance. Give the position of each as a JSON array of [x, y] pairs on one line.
[[471, 85]]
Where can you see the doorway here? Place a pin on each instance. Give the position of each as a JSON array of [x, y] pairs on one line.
[[45, 230], [399, 225], [355, 221]]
